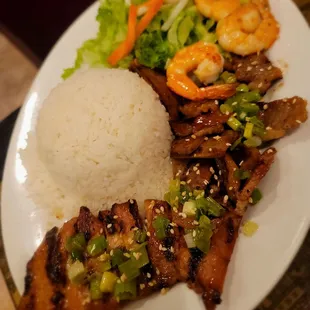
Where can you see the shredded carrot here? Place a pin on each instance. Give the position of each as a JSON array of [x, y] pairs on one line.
[[153, 7], [125, 47]]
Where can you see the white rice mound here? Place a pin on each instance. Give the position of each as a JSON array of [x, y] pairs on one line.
[[103, 137]]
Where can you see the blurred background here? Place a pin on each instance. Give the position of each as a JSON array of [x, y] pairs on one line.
[[28, 30]]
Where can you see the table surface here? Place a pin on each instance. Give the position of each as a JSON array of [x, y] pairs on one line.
[[16, 74]]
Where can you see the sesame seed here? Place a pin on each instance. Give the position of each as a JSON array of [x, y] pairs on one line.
[[228, 144], [195, 168], [261, 70], [194, 233], [149, 275], [241, 162], [270, 151], [217, 138], [151, 284], [173, 224], [178, 173], [239, 65], [265, 106], [205, 182], [187, 173], [190, 194], [234, 103], [162, 209], [254, 62], [206, 138], [160, 247], [111, 252], [268, 128], [187, 140], [157, 211], [210, 149], [164, 249], [157, 271], [109, 225], [215, 177], [230, 188], [163, 291], [184, 193], [188, 181], [175, 209], [225, 198], [227, 113], [249, 68], [123, 277], [218, 183], [148, 234], [220, 172], [101, 230], [195, 222], [127, 255], [198, 172], [235, 169], [193, 136], [171, 249], [182, 182], [195, 155], [171, 231], [212, 170], [216, 102], [142, 286], [250, 200], [197, 165], [294, 101], [285, 100], [269, 68], [118, 281], [211, 190], [260, 85], [298, 121]]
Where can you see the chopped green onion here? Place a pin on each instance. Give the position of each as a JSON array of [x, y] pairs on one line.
[[242, 115], [140, 256], [243, 88], [248, 130], [256, 121], [140, 235], [77, 255], [228, 77], [117, 258], [209, 206], [249, 108], [173, 196], [236, 143], [96, 246], [189, 239], [94, 288], [198, 193], [160, 225], [249, 228], [125, 290], [259, 131], [130, 269], [252, 96], [105, 266], [241, 174], [76, 243], [253, 142], [108, 281], [189, 208], [76, 272], [234, 123], [203, 234], [226, 108], [256, 196]]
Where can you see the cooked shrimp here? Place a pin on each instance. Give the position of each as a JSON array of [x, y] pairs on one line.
[[216, 9], [207, 62], [249, 29]]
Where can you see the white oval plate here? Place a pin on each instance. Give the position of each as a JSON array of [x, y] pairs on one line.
[[283, 215]]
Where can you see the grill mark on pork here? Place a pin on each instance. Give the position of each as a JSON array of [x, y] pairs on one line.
[[54, 263], [196, 257], [57, 299]]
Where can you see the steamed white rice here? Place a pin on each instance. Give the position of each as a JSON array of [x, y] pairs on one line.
[[102, 136]]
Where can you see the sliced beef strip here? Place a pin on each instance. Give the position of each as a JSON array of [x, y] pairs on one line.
[[263, 166], [280, 116], [209, 120], [255, 69], [195, 108], [185, 146], [158, 81]]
